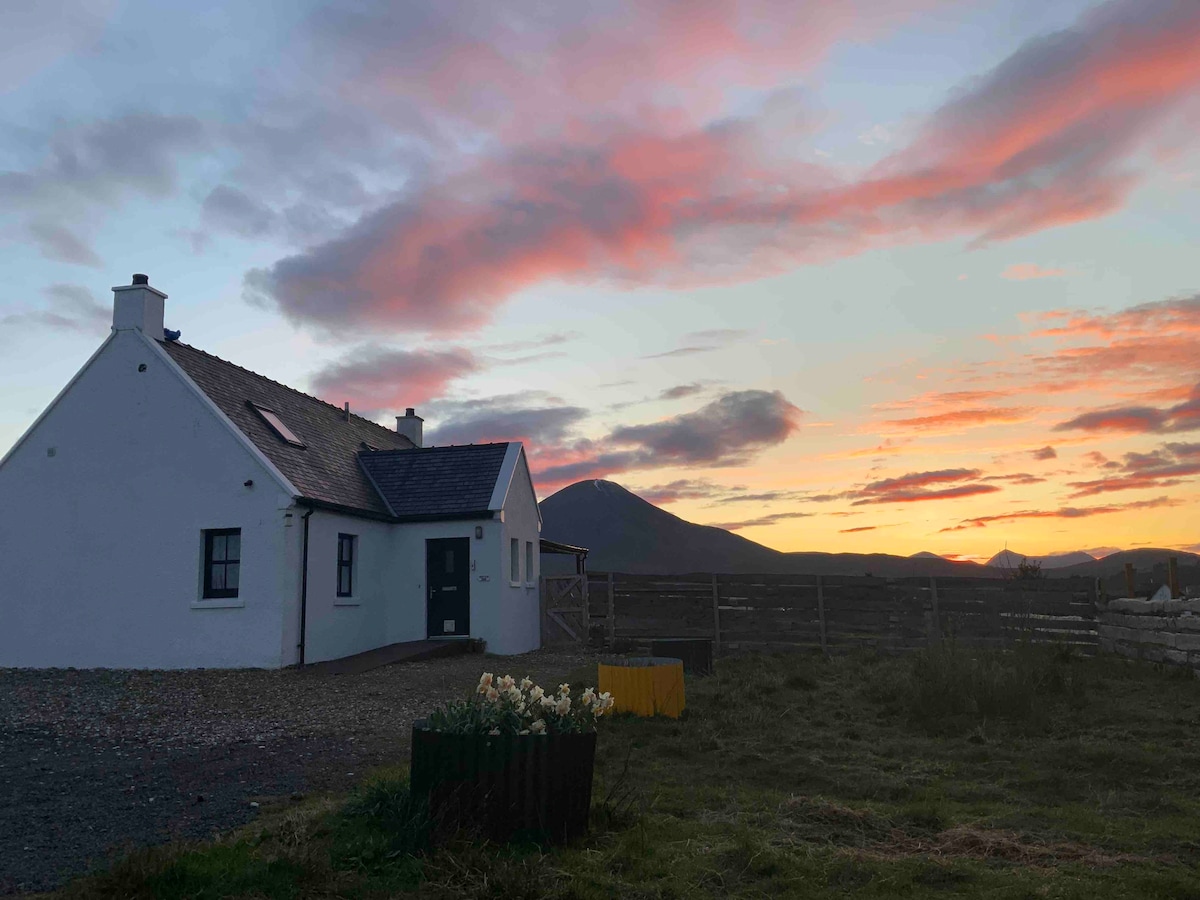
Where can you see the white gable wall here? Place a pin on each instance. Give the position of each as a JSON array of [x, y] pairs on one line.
[[101, 543], [518, 623]]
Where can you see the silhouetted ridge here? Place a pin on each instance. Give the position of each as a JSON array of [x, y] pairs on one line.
[[627, 534]]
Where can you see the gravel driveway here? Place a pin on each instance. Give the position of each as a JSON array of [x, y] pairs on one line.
[[93, 762]]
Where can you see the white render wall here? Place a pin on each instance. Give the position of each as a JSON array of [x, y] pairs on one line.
[[377, 614], [101, 544]]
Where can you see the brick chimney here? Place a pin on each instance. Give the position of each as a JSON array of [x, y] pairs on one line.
[[410, 425], [139, 306]]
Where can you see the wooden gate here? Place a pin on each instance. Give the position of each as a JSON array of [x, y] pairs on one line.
[[564, 609]]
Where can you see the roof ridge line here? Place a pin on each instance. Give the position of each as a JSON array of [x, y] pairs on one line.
[[287, 387], [439, 447]]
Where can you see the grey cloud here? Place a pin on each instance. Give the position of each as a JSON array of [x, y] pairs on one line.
[[234, 210], [724, 432], [57, 243], [71, 308], [681, 390], [681, 351], [761, 521], [509, 417]]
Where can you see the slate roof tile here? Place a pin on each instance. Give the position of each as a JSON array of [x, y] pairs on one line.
[[436, 481], [326, 469]]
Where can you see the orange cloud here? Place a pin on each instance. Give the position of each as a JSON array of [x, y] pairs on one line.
[[1065, 512], [1171, 464], [916, 487], [960, 419], [1140, 419]]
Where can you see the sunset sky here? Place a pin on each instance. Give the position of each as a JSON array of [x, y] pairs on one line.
[[856, 275]]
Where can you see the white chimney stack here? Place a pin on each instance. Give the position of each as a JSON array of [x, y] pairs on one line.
[[139, 306], [410, 425]]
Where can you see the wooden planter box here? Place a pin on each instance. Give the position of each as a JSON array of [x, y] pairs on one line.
[[506, 786]]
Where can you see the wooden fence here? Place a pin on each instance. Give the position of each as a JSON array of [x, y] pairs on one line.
[[757, 612]]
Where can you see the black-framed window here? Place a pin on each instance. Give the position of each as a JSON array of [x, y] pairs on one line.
[[222, 562], [345, 567]]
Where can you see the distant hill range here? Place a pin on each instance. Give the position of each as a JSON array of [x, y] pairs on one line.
[[624, 533], [1007, 559]]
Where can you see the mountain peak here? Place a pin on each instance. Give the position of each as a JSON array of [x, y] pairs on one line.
[[1009, 559]]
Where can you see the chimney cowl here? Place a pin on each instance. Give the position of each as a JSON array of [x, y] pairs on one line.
[[410, 425], [140, 279]]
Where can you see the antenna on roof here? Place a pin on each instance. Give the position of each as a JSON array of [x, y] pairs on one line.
[[347, 411]]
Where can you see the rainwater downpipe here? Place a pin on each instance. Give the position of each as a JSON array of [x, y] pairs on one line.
[[304, 585]]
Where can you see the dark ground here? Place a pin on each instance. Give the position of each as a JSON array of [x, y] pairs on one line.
[[93, 763]]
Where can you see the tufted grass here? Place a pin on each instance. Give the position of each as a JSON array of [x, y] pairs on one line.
[[951, 773]]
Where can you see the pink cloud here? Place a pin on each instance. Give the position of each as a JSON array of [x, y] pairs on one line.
[[377, 379], [1050, 136], [1028, 271]]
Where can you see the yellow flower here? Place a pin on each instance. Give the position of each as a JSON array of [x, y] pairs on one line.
[[538, 727], [588, 697], [493, 695], [526, 683], [564, 690], [563, 706], [506, 682], [536, 694]]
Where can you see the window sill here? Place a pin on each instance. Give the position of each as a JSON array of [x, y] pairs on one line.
[[219, 603], [530, 584], [514, 584], [347, 601]]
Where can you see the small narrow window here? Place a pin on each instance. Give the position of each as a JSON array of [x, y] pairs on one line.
[[514, 560], [222, 562], [528, 561], [345, 567], [276, 423]]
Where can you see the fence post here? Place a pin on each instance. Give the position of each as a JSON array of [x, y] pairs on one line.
[[821, 614], [1173, 575], [612, 614], [1129, 581], [716, 616], [935, 630], [541, 610]]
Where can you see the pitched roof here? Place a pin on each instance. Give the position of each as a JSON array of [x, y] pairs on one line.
[[326, 468], [436, 482]]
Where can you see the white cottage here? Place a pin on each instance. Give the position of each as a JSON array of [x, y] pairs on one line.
[[173, 510]]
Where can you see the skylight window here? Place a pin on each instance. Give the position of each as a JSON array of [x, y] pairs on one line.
[[276, 423]]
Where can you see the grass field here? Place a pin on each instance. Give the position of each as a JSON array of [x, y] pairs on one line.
[[953, 773]]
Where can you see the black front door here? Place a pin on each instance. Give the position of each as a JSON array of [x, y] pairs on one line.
[[448, 574]]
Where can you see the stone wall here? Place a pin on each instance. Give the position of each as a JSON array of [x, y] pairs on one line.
[[1159, 630]]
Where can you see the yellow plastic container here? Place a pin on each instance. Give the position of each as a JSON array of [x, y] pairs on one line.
[[645, 686]]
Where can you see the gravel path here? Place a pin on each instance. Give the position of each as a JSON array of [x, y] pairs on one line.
[[94, 762]]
